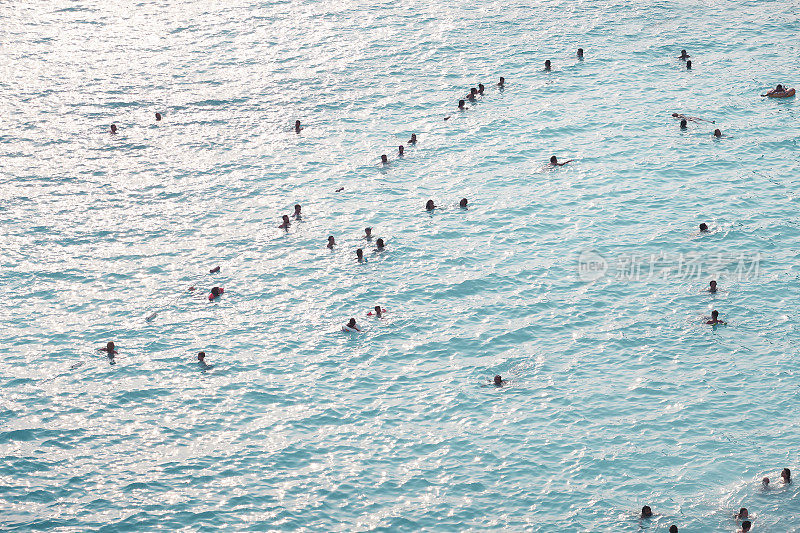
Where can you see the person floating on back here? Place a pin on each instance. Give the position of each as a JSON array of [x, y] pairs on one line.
[[691, 119], [715, 318], [554, 161], [463, 203], [285, 224]]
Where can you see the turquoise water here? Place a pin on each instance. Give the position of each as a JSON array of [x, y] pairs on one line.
[[583, 285]]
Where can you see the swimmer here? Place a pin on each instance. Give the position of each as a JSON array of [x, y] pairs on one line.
[[400, 150], [554, 161], [368, 233], [746, 525], [715, 318], [777, 91], [683, 55], [201, 358], [461, 105], [472, 94], [480, 89], [580, 53], [703, 227], [158, 117], [429, 205], [340, 189], [413, 139], [384, 159], [331, 242], [712, 286], [463, 203], [741, 514], [113, 129], [379, 244], [360, 255], [765, 483], [297, 127], [110, 349], [502, 82], [499, 381], [646, 512], [689, 65], [378, 312], [691, 119], [215, 292], [351, 324], [683, 123], [547, 64], [786, 475], [214, 270], [285, 224], [717, 133], [673, 529], [297, 209]]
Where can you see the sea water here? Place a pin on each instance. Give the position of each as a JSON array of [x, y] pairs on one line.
[[583, 286]]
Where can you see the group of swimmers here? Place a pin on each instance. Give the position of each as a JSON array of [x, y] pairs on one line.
[[742, 514]]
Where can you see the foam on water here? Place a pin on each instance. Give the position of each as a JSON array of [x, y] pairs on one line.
[[618, 394]]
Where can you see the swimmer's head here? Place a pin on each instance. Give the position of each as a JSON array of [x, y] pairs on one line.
[[703, 226], [297, 124], [215, 291], [400, 149], [379, 244], [473, 91], [553, 160], [351, 323], [461, 104], [463, 202], [786, 475], [765, 481], [378, 310], [779, 88], [714, 314], [683, 123], [158, 116], [717, 133], [331, 240], [673, 529], [113, 128], [285, 219], [684, 54], [201, 356], [712, 285], [360, 254], [368, 232], [384, 159], [480, 88], [429, 205], [647, 512], [498, 380], [746, 525], [580, 52], [413, 138], [742, 513], [547, 64], [110, 347], [297, 208], [502, 80], [689, 65]]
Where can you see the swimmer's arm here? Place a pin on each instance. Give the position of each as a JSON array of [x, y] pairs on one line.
[[565, 162]]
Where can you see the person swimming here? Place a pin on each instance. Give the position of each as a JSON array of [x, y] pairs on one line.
[[400, 150], [473, 92], [463, 203], [712, 286], [554, 161], [368, 233], [717, 133], [547, 64], [746, 525], [201, 358], [779, 90], [647, 512], [580, 53], [110, 349], [113, 129], [703, 227], [215, 292], [691, 119], [285, 224], [297, 127], [214, 270], [741, 514], [429, 205], [331, 242], [461, 104], [502, 82], [351, 325], [379, 244], [689, 65], [715, 318], [683, 123], [765, 482], [158, 116], [673, 529], [384, 159], [481, 88], [683, 55], [360, 255], [499, 381], [378, 312], [297, 209], [786, 475], [413, 139]]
